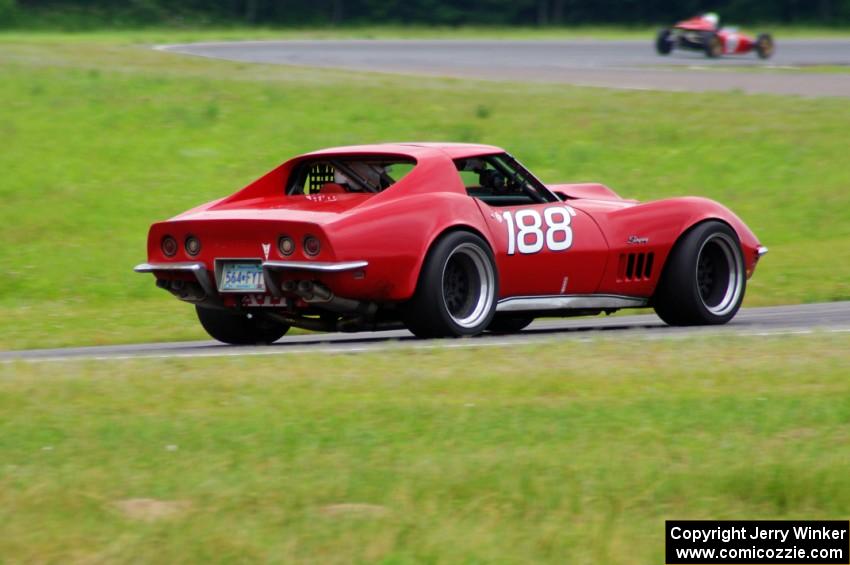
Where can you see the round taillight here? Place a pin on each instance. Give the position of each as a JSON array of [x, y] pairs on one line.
[[285, 245], [193, 245], [312, 245], [169, 246]]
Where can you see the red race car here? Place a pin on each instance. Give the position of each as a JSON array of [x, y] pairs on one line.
[[446, 240], [703, 33]]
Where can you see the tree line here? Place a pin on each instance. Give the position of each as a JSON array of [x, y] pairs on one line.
[[429, 12]]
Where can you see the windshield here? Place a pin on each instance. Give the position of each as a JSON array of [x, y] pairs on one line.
[[337, 175]]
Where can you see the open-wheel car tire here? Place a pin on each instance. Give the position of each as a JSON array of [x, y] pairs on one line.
[[712, 45], [457, 289], [704, 280], [765, 46], [239, 328], [663, 43]]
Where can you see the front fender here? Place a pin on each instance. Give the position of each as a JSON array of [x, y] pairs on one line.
[[655, 227]]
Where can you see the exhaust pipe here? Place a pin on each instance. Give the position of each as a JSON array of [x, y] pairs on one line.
[[315, 325], [184, 290], [305, 290], [321, 296]]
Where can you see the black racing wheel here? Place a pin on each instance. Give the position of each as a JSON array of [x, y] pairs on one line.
[[239, 328], [764, 46], [712, 45], [663, 42], [703, 281], [457, 289]]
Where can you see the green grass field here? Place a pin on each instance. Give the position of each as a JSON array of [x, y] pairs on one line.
[[463, 456], [56, 32], [103, 136]]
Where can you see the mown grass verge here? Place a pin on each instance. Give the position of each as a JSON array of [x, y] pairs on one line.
[[104, 136], [156, 34], [561, 452]]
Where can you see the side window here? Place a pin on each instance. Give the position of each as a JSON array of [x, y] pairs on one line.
[[490, 180], [398, 171]]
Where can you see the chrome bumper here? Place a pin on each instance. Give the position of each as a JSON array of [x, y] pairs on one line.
[[203, 276], [197, 269], [762, 251], [320, 266]]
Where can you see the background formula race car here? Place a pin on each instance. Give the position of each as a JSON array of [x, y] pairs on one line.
[[446, 240], [702, 33]]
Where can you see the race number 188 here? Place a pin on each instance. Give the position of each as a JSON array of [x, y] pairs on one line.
[[527, 235]]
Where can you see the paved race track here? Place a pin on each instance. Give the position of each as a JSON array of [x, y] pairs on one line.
[[613, 64], [779, 320]]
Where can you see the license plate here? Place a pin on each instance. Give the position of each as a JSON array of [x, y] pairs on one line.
[[242, 277]]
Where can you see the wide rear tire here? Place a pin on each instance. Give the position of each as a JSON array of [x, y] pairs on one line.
[[704, 280], [457, 289], [239, 328], [764, 46]]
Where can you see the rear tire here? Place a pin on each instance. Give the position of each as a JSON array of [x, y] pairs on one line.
[[712, 45], [764, 46], [509, 324], [663, 44], [238, 328], [704, 280], [457, 289]]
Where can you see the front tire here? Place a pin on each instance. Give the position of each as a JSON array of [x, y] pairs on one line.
[[457, 289], [663, 43], [712, 45], [239, 328], [703, 281]]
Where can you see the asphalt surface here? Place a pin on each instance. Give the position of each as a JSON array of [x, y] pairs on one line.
[[779, 320], [611, 64]]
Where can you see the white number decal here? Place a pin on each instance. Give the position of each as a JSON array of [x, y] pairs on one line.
[[556, 227], [529, 222], [509, 221], [530, 238]]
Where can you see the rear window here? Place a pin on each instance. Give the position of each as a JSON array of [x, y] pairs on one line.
[[347, 175]]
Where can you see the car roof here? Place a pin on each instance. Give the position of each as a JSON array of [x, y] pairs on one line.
[[414, 149]]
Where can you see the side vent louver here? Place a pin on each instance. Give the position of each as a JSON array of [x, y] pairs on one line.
[[635, 266]]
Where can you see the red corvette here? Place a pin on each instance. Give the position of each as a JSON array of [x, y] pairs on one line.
[[446, 240], [703, 33]]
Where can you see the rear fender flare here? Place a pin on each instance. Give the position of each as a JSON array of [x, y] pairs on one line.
[[414, 280]]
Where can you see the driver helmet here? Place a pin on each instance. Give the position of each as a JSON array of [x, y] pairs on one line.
[[712, 18], [340, 178], [371, 173]]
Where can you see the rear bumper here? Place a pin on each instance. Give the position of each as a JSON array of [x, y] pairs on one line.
[[200, 271], [209, 286], [318, 266]]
